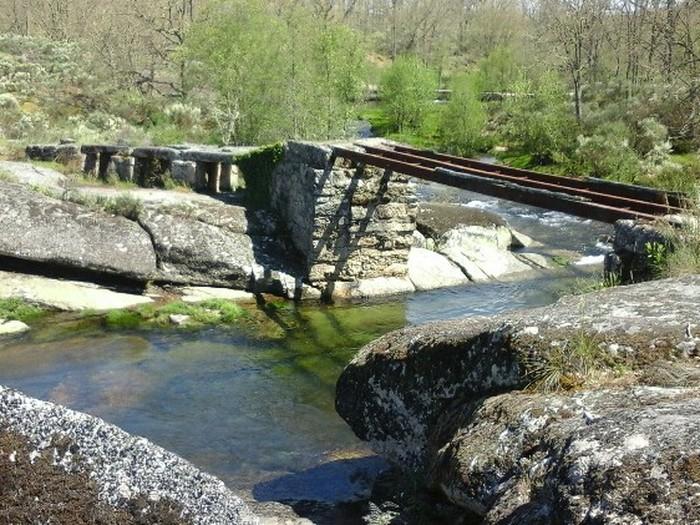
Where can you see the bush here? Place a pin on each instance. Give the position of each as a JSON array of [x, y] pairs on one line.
[[463, 118], [407, 90], [608, 154], [539, 120], [19, 310]]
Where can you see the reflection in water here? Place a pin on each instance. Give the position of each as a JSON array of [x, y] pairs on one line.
[[245, 407]]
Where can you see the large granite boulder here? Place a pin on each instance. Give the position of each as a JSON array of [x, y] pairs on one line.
[[42, 229], [25, 173], [479, 242], [430, 397], [193, 252], [428, 270], [607, 456], [126, 471]]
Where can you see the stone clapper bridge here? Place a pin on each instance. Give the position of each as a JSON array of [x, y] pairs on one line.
[[349, 212]]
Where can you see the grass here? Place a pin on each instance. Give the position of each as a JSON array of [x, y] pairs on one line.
[[211, 312], [426, 138], [574, 363], [19, 310], [681, 255]]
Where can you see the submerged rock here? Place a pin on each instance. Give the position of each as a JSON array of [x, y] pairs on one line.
[[431, 398]]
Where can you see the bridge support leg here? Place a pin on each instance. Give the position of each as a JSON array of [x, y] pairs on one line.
[[200, 176], [213, 175], [105, 159], [226, 181], [90, 163]]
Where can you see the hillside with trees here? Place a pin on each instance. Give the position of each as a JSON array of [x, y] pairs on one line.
[[588, 87]]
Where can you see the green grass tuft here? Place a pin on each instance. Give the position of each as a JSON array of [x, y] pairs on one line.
[[211, 312], [19, 310]]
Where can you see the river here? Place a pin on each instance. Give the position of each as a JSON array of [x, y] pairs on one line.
[[254, 405]]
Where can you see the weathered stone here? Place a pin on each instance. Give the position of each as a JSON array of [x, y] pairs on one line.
[[436, 219], [124, 168], [184, 171], [12, 327], [428, 270], [397, 389], [632, 241], [192, 252], [179, 319], [46, 230], [369, 288], [482, 253], [128, 471], [65, 295], [30, 175], [199, 294], [168, 154], [611, 456]]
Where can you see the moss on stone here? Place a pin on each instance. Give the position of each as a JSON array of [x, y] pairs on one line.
[[257, 168], [211, 312], [19, 310]]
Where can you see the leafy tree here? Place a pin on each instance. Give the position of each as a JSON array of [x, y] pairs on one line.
[[464, 118], [540, 121], [408, 88]]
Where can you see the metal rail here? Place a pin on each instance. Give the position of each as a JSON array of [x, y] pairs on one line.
[[582, 197]]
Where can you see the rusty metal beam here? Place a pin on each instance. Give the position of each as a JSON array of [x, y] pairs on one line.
[[653, 208], [631, 191], [503, 189]]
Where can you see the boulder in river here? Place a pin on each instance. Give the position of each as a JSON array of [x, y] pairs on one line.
[[621, 448]]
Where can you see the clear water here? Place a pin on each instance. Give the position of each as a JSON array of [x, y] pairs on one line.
[[255, 405]]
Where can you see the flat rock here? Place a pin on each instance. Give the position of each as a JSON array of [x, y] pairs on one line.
[[12, 327], [429, 270], [47, 230], [481, 252], [30, 175], [65, 295], [435, 219], [369, 288], [124, 468], [192, 252], [198, 294]]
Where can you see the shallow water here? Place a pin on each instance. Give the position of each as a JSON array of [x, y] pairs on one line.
[[255, 406]]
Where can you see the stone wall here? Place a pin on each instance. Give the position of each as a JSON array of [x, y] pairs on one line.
[[352, 226]]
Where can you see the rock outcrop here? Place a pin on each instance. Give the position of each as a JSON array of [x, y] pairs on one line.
[[436, 399], [125, 469], [455, 245], [43, 229]]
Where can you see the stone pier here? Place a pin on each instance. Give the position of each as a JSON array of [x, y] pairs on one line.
[[213, 171], [98, 158], [351, 226]]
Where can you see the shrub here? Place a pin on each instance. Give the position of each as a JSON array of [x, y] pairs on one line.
[[680, 255], [407, 90], [608, 154], [124, 205], [463, 118], [539, 120]]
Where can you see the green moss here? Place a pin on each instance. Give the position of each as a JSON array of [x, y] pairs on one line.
[[257, 168], [19, 310], [211, 312]]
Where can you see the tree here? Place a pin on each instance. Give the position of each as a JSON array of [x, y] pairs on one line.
[[463, 118], [408, 88]]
